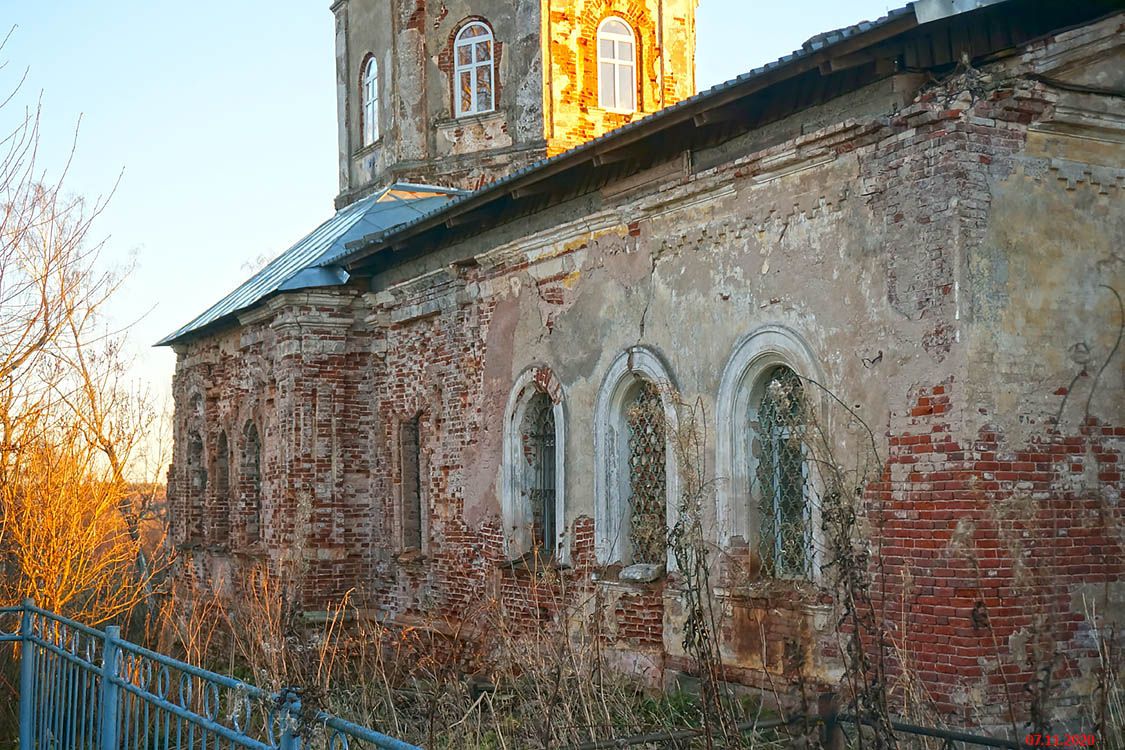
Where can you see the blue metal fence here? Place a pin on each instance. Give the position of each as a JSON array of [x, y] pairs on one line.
[[88, 689]]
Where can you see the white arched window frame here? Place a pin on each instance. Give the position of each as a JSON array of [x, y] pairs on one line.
[[474, 72], [630, 370], [370, 102], [743, 384], [617, 66], [515, 511]]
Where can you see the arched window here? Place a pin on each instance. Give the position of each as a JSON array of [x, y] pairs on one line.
[[782, 475], [765, 488], [370, 108], [250, 484], [220, 507], [636, 485], [196, 489], [617, 66], [532, 499], [473, 70]]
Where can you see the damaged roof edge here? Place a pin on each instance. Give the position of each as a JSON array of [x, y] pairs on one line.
[[813, 52]]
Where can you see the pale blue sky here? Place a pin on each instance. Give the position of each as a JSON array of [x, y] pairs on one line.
[[220, 117]]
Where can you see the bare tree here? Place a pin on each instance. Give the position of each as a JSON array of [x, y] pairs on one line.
[[70, 424]]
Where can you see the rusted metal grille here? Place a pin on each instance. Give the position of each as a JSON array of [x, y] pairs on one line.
[[539, 450], [782, 475], [644, 416]]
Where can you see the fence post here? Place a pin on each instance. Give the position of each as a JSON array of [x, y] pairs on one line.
[[290, 699], [27, 677], [111, 691]]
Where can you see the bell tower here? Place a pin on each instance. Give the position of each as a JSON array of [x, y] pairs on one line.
[[459, 93]]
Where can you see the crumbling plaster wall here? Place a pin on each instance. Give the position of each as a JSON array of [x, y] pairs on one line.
[[420, 140], [940, 257]]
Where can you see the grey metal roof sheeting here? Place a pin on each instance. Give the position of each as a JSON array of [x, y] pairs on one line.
[[308, 263]]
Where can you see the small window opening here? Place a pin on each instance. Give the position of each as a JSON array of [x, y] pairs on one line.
[[370, 109]]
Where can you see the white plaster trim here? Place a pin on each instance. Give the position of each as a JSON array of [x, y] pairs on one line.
[[512, 512], [611, 533], [756, 354], [545, 243]]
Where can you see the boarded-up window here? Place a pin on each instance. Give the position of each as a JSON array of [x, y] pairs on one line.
[[196, 489], [644, 415], [410, 461], [221, 507], [250, 483]]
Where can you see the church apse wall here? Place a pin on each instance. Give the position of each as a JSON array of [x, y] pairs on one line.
[[941, 258]]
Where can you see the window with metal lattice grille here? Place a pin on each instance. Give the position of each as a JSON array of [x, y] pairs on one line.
[[785, 543], [644, 416]]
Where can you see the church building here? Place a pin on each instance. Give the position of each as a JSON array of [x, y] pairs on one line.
[[861, 306]]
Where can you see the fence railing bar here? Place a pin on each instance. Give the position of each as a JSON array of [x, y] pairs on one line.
[[380, 740], [223, 680], [752, 726], [943, 734], [66, 621], [54, 649], [202, 722], [674, 735]]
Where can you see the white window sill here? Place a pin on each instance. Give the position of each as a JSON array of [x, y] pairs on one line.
[[469, 119]]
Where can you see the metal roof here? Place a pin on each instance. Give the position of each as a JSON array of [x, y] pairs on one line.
[[308, 263]]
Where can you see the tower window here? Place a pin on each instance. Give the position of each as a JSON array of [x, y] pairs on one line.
[[370, 102], [473, 70], [617, 66]]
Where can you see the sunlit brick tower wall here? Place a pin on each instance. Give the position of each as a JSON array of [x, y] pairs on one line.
[[576, 45]]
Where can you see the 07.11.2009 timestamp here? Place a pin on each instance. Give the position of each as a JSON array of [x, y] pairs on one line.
[[1060, 740]]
